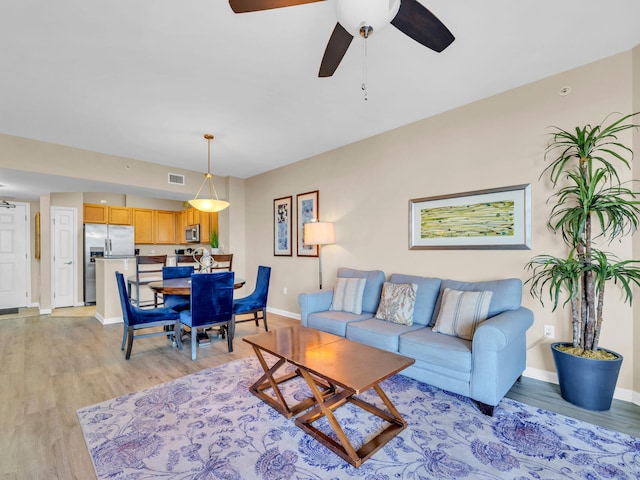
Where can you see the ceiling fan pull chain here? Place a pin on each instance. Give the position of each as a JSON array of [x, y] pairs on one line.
[[364, 68]]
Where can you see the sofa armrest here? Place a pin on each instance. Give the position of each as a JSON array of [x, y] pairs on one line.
[[497, 332], [311, 302], [499, 354]]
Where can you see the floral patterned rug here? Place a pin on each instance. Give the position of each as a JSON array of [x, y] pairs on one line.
[[208, 426]]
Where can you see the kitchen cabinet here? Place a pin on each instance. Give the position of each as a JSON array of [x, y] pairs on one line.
[[164, 226], [143, 225], [193, 216], [95, 213], [119, 215], [106, 214]]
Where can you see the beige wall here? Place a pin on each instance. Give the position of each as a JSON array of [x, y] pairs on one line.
[[365, 188]]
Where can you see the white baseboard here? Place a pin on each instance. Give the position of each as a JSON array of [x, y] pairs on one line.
[[108, 321], [551, 377], [45, 311], [284, 313]]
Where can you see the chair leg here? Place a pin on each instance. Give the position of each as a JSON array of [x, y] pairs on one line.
[[255, 318], [177, 330], [230, 331], [124, 335], [194, 337], [264, 319], [129, 343]]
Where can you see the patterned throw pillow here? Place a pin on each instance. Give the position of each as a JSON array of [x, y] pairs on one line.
[[397, 302], [462, 312], [347, 295]]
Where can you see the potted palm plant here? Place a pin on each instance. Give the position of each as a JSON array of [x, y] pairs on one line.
[[591, 203]]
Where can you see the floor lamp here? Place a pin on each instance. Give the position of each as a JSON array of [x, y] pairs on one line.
[[319, 233]]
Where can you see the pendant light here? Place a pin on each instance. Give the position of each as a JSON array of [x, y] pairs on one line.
[[208, 204]]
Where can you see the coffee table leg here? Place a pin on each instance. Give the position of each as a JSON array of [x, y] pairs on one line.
[[343, 447], [268, 380], [325, 409]]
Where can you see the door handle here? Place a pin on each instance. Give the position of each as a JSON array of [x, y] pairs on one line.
[[68, 263]]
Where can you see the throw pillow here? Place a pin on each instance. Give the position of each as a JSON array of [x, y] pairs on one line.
[[347, 295], [461, 312], [397, 302]]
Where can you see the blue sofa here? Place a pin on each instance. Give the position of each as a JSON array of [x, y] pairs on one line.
[[484, 368]]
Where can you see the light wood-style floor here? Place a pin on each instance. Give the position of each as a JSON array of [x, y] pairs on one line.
[[51, 365]]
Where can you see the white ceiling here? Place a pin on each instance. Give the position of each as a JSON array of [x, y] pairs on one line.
[[146, 79]]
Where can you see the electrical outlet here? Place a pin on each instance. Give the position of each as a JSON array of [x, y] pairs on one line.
[[284, 290], [549, 331]]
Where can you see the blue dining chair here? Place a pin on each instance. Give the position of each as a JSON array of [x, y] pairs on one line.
[[136, 318], [211, 305], [176, 302], [256, 302]]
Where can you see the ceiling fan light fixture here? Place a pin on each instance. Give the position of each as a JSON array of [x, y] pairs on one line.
[[210, 204], [375, 14]]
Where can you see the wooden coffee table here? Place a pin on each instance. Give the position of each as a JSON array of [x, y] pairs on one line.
[[335, 369]]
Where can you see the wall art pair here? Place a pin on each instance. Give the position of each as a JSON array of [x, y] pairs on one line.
[[307, 210]]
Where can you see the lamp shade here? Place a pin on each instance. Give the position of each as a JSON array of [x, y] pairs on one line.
[[319, 233], [353, 14], [208, 204]]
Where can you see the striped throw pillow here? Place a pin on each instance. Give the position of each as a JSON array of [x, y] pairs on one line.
[[461, 312], [347, 295]]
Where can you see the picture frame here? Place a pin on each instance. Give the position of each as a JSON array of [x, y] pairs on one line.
[[497, 218], [282, 234], [307, 210]]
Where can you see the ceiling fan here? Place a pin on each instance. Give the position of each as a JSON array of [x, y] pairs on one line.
[[361, 17]]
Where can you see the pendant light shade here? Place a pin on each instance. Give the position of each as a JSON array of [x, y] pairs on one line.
[[210, 204]]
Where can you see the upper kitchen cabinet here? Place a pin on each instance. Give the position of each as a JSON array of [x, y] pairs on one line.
[[154, 226], [95, 213], [120, 216], [143, 225], [113, 215], [165, 226]]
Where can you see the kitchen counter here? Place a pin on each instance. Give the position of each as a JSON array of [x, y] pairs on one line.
[[108, 309]]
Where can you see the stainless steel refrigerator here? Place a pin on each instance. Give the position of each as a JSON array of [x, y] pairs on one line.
[[112, 241]]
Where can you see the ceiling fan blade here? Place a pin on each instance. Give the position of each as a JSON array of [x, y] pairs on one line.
[[244, 6], [336, 48], [414, 20]]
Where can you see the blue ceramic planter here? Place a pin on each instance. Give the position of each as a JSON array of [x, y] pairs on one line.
[[586, 382]]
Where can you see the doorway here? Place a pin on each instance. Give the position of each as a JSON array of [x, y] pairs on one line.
[[15, 265], [64, 265]]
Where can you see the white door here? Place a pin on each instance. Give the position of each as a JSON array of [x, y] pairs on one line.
[[14, 261], [65, 252]]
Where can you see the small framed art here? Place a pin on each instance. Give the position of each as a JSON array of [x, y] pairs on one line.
[[307, 211], [282, 226]]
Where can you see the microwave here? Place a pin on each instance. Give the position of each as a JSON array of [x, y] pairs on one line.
[[192, 234]]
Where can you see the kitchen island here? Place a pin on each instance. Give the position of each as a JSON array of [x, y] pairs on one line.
[[108, 309]]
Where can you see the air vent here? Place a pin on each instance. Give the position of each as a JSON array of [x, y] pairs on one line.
[[175, 179]]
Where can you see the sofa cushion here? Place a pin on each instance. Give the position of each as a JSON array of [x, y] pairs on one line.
[[445, 351], [347, 295], [397, 302], [333, 321], [378, 333], [372, 289], [426, 295], [506, 294], [461, 312]]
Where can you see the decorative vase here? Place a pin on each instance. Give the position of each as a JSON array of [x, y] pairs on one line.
[[586, 382], [215, 250]]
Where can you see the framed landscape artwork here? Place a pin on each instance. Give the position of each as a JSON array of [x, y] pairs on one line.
[[498, 218], [282, 226], [307, 211]]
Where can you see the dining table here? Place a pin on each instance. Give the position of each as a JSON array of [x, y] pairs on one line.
[[181, 286]]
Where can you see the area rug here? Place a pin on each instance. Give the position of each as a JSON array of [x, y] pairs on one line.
[[208, 426]]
